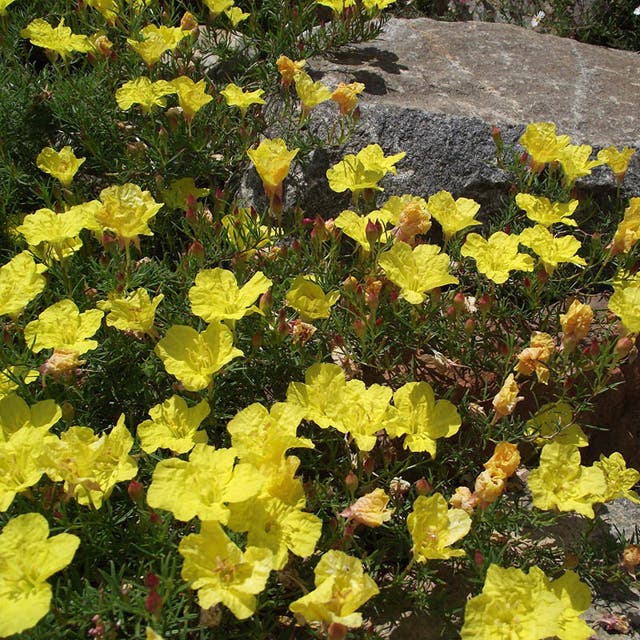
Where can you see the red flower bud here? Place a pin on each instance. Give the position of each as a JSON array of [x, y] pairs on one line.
[[153, 603], [423, 487]]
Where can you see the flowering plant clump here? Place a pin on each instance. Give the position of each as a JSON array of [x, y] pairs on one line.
[[287, 416]]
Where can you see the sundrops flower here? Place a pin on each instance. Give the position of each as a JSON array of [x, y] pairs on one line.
[[194, 357], [191, 96], [236, 97], [28, 556], [620, 480], [547, 213], [221, 572], [272, 161], [542, 144], [434, 528], [355, 226], [416, 271], [155, 41], [62, 164], [216, 7], [453, 215], [552, 250], [309, 300], [514, 604], [59, 40], [575, 162], [338, 6], [498, 256], [576, 323], [310, 93], [617, 161], [21, 280], [554, 422], [341, 588], [133, 314], [625, 303], [126, 210], [3, 6], [62, 326], [421, 418], [236, 15], [145, 93]]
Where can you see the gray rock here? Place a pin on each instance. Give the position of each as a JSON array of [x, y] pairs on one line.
[[434, 89]]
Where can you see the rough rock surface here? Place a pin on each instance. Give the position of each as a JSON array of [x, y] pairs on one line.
[[433, 89]]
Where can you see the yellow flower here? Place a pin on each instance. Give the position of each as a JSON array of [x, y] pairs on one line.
[[370, 509], [263, 437], [620, 480], [561, 483], [550, 249], [126, 210], [62, 164], [236, 15], [498, 256], [453, 215], [534, 358], [53, 235], [628, 231], [21, 280], [274, 519], [221, 572], [62, 326], [272, 160], [416, 271], [575, 162], [177, 194], [108, 8], [216, 295], [204, 485], [155, 41], [537, 608], [309, 300], [341, 588], [310, 93], [3, 6], [174, 426], [16, 414], [576, 323], [421, 418], [617, 161], [21, 465], [91, 465], [236, 97], [554, 422], [194, 357], [134, 314], [377, 4], [10, 377], [507, 398], [355, 226], [542, 143], [191, 96], [434, 528], [363, 170], [145, 93], [625, 303], [338, 6], [60, 39], [28, 556], [288, 69], [218, 6], [547, 213], [346, 95]]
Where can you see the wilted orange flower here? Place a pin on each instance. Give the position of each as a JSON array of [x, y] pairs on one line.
[[631, 558], [288, 69], [61, 364], [414, 219], [346, 95], [489, 487], [301, 332], [628, 231], [505, 459], [370, 510], [507, 398], [534, 357], [576, 322], [464, 499]]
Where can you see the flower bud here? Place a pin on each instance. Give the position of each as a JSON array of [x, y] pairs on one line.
[[484, 304], [423, 487], [469, 326], [623, 347], [136, 492], [351, 482]]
